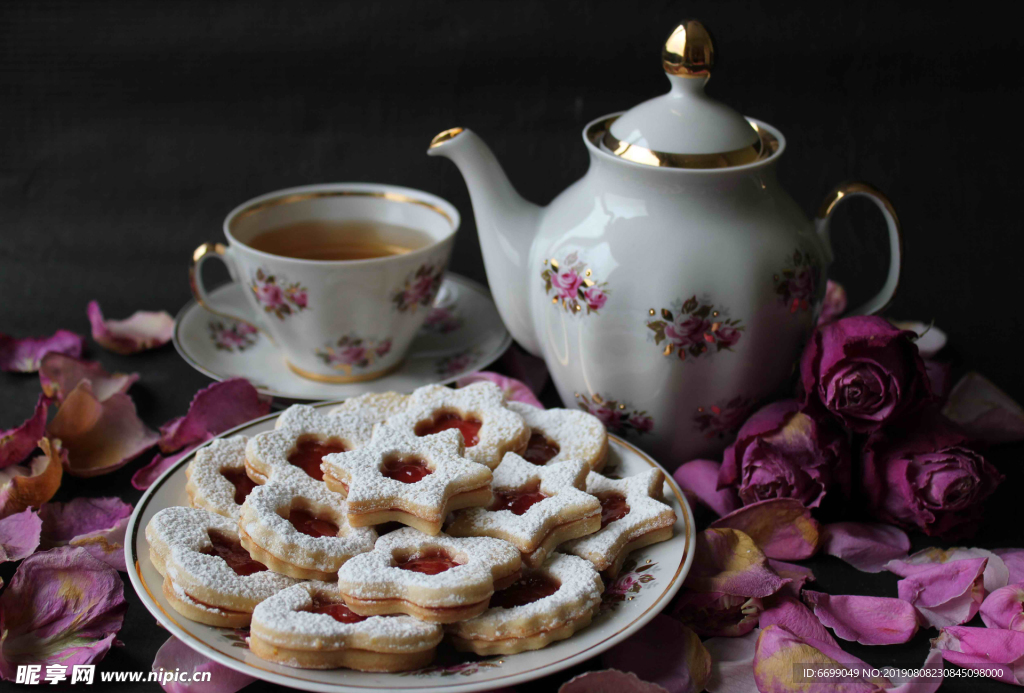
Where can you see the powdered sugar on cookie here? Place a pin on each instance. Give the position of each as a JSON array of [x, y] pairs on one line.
[[563, 434], [216, 477]]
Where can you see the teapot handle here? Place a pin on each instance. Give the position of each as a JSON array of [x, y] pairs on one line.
[[856, 189]]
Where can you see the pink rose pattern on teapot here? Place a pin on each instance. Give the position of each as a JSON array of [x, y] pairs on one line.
[[616, 416], [571, 285], [694, 327], [723, 421], [797, 284]]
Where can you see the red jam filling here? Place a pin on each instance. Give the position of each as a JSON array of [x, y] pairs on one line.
[[408, 470], [516, 500], [237, 558], [311, 525], [336, 610], [309, 453], [429, 562], [613, 507], [540, 450], [528, 590], [242, 483], [470, 428]]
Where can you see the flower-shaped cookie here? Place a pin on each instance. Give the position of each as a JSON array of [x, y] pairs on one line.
[[563, 434], [631, 517], [378, 406], [440, 579], [549, 604], [299, 528], [308, 626], [399, 477], [208, 576], [477, 411], [300, 439], [534, 508], [216, 477]]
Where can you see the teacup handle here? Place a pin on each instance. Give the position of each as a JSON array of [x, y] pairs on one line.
[[846, 191], [195, 280]]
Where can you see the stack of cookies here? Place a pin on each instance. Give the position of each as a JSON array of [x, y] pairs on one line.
[[325, 534]]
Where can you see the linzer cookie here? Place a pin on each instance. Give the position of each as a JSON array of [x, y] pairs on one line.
[[300, 529], [216, 477], [399, 477], [534, 508], [300, 439], [308, 626], [632, 516], [208, 576], [377, 406], [563, 434], [440, 579], [549, 604], [477, 411]]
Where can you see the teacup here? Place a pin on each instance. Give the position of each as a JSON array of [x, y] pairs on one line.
[[335, 320]]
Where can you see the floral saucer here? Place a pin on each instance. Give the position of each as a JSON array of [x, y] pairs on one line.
[[462, 334]]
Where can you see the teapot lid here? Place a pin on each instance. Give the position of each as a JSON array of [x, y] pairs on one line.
[[685, 128]]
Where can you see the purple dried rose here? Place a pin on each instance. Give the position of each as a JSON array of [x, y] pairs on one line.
[[714, 614], [864, 371], [925, 476], [782, 452]]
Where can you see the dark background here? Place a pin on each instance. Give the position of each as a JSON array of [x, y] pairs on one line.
[[129, 129]]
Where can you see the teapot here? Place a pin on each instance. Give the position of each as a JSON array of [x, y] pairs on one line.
[[671, 289]]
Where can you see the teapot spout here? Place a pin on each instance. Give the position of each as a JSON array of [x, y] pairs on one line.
[[506, 223]]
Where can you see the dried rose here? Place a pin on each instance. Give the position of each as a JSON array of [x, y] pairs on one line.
[[867, 547], [867, 620], [62, 607], [141, 331], [17, 443], [781, 452], [834, 304], [24, 355], [727, 560], [711, 614], [930, 339], [96, 524], [793, 615], [985, 649], [926, 477], [175, 656], [864, 371], [19, 535], [699, 481], [984, 411], [1004, 608], [34, 482], [947, 594], [515, 391], [781, 527], [59, 374], [644, 654], [797, 575]]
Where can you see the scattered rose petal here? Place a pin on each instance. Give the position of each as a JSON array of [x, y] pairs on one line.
[[175, 655], [947, 594], [1004, 608], [834, 304], [213, 410], [99, 436], [34, 482], [59, 374], [867, 620], [17, 443], [793, 615], [732, 660], [924, 682], [141, 331], [525, 367], [996, 573], [644, 654], [797, 575], [609, 681], [984, 411], [96, 524], [867, 547], [930, 339], [781, 527], [727, 560], [62, 607], [711, 614], [778, 651], [699, 481], [939, 376], [515, 391], [24, 355], [984, 648], [1013, 559], [19, 535], [144, 477]]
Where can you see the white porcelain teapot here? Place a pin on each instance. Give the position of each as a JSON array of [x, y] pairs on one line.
[[671, 289]]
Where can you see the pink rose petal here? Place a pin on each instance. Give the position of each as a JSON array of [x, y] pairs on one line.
[[24, 355], [213, 410], [175, 655], [18, 443], [727, 560], [927, 681], [732, 661], [62, 606], [778, 651], [834, 304], [781, 527], [699, 481], [141, 331], [96, 524], [99, 436], [1004, 608], [686, 671], [711, 614], [865, 546], [59, 374], [515, 391], [794, 616], [19, 535], [525, 367], [144, 477], [930, 339], [996, 573], [947, 594], [797, 575], [867, 620], [984, 648], [1013, 559], [609, 681], [985, 411], [33, 482]]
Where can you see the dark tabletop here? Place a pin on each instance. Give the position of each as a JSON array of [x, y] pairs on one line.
[[128, 130]]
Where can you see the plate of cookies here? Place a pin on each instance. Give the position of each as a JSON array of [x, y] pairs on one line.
[[445, 540]]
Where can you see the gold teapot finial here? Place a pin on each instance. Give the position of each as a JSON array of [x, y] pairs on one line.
[[688, 52]]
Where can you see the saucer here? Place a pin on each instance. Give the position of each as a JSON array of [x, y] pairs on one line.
[[462, 334]]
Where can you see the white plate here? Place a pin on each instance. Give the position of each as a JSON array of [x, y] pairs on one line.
[[651, 578], [463, 334]]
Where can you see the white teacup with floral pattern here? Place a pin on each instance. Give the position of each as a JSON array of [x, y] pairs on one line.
[[335, 320]]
